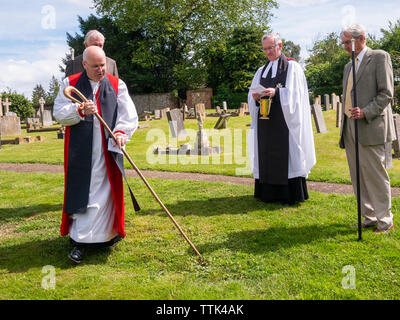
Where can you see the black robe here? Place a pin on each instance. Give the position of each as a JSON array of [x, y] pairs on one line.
[[273, 184]]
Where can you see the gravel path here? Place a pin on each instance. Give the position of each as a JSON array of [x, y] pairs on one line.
[[315, 186]]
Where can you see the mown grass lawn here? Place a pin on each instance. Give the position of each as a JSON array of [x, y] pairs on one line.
[[253, 250], [331, 160]]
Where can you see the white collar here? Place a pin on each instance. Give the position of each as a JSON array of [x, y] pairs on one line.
[[274, 65]]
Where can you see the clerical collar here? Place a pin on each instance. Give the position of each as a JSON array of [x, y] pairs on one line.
[[274, 65]]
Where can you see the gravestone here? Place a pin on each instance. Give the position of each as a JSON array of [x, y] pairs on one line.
[[339, 114], [201, 110], [164, 113], [326, 102], [218, 108], [224, 106], [157, 114], [222, 122], [396, 143], [176, 126], [334, 99], [47, 118], [245, 106], [1, 107], [318, 118], [10, 124], [241, 111]]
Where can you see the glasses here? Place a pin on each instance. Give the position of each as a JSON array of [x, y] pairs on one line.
[[269, 48]]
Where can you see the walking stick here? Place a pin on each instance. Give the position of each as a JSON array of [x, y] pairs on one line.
[[67, 92], [356, 139]]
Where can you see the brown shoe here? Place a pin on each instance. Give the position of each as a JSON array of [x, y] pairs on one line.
[[379, 231]]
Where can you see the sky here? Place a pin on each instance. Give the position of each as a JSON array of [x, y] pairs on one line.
[[33, 33]]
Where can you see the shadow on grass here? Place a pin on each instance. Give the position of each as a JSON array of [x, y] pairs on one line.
[[16, 214], [39, 253], [277, 238], [214, 206]]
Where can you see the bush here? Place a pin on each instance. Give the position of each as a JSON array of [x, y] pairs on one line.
[[19, 104], [233, 99]]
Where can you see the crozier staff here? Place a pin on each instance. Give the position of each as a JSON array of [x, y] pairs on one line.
[[282, 147], [93, 211]]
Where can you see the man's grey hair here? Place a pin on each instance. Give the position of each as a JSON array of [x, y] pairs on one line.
[[356, 30], [274, 35], [93, 34]]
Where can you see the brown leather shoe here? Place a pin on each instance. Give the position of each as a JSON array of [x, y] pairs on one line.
[[379, 231]]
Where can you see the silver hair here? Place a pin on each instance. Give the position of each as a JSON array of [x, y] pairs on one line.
[[356, 30], [93, 34], [274, 35]]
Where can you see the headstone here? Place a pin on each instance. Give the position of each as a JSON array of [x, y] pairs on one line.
[[245, 107], [334, 101], [10, 126], [1, 108], [41, 110], [396, 143], [218, 108], [318, 118], [202, 144], [176, 126], [241, 111], [326, 102], [222, 122], [200, 109], [339, 114], [224, 106], [47, 118], [157, 114], [145, 116], [164, 113]]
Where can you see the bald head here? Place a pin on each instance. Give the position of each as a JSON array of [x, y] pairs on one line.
[[94, 62]]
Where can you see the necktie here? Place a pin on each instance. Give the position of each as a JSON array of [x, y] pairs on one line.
[[348, 100]]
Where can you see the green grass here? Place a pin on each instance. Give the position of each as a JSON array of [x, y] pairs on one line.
[[331, 160], [253, 250]]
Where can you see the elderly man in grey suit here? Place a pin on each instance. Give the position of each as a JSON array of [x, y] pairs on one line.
[[374, 79], [92, 38]]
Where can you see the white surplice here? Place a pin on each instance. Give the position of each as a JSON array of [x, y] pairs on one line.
[[297, 113], [96, 224]]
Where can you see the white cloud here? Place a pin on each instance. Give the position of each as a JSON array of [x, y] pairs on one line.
[[22, 75]]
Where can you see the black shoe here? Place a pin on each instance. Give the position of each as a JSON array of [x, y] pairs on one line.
[[76, 255]]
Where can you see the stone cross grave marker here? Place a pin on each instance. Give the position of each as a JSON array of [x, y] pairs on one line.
[[176, 126], [6, 105], [41, 109], [224, 106], [318, 118], [222, 122]]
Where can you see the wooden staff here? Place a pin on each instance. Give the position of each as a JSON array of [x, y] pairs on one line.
[[67, 92]]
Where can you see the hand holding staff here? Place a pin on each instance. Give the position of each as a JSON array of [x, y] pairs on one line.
[[68, 93]]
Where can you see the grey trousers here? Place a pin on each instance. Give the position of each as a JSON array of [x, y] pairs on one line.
[[375, 192]]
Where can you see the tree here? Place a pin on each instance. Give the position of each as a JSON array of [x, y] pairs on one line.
[[291, 50], [54, 87], [19, 104], [174, 33], [324, 67], [37, 93]]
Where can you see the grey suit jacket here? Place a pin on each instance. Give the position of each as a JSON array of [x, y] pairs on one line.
[[374, 96], [75, 66]]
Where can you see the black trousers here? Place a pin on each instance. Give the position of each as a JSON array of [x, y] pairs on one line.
[[96, 245]]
